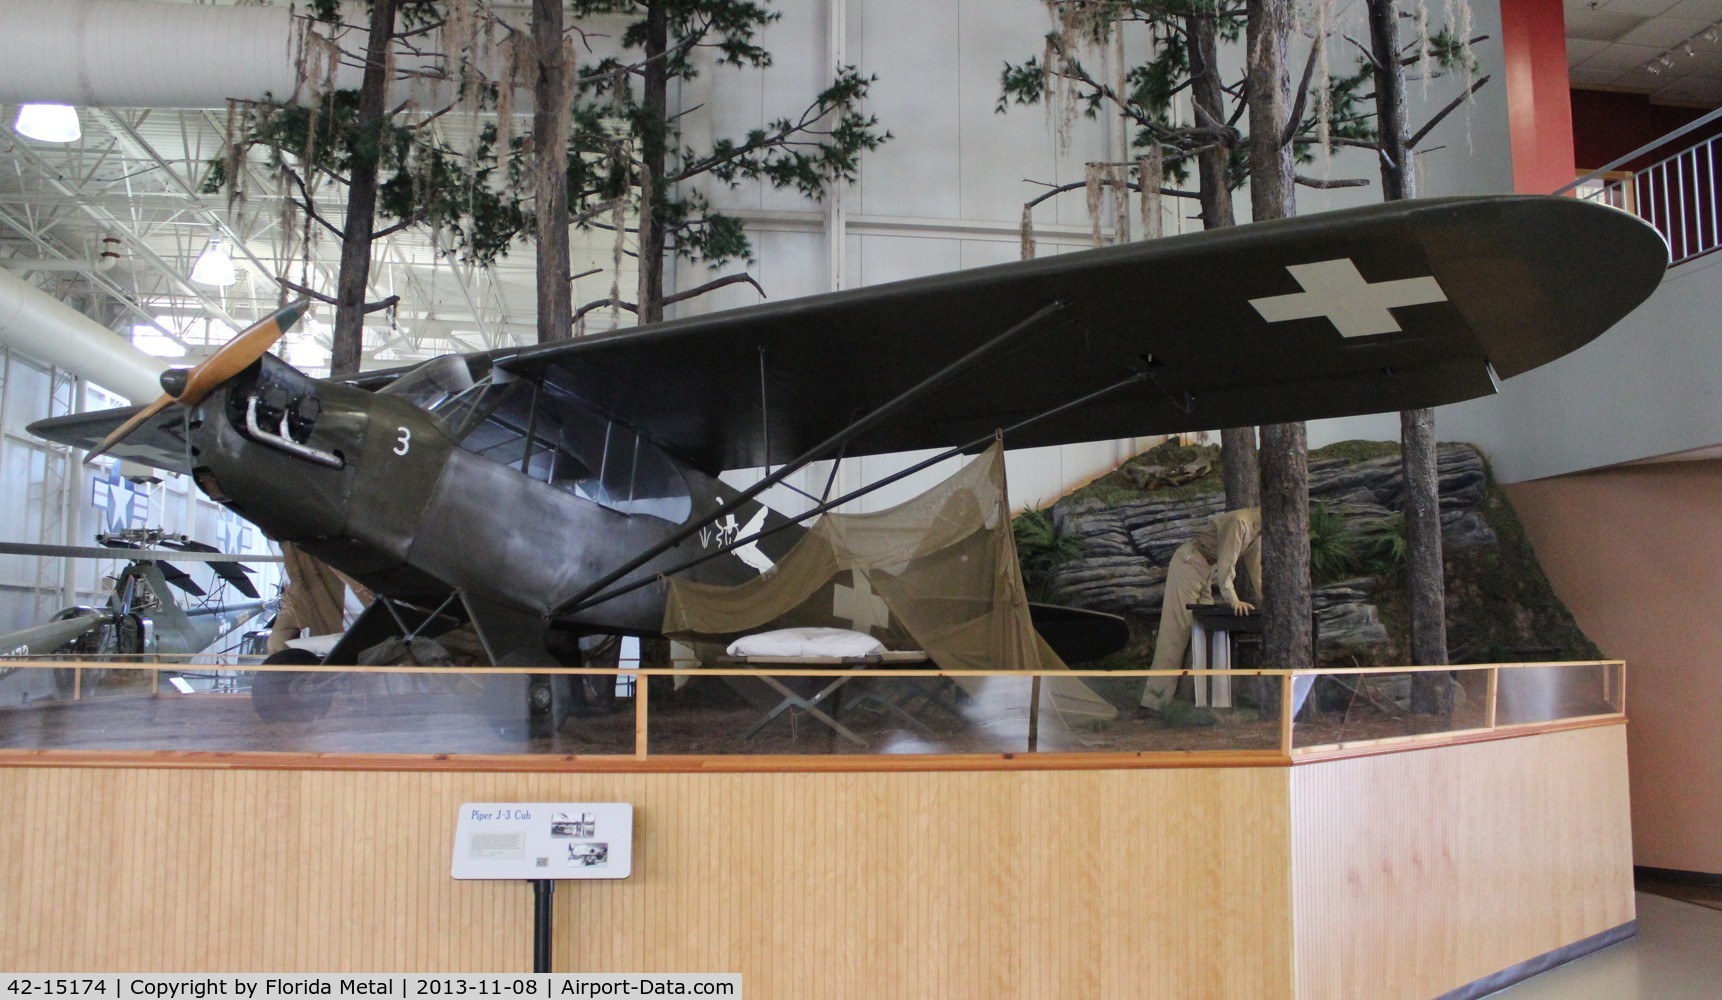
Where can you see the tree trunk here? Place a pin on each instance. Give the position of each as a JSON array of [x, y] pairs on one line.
[[1398, 180], [1268, 84], [1239, 470], [654, 114], [551, 105], [1208, 93], [1423, 541], [355, 273], [1430, 693], [1284, 454], [1238, 444]]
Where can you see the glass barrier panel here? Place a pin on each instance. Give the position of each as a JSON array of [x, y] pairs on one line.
[[767, 713], [207, 708], [1199, 712], [1388, 705], [1554, 692]]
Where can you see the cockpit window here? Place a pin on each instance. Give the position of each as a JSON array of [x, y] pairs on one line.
[[552, 437], [431, 384]]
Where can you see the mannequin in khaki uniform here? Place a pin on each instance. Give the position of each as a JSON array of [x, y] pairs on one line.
[[1211, 557]]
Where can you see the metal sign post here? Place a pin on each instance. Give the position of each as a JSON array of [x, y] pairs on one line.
[[543, 842]]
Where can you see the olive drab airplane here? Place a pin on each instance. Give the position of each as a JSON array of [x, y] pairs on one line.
[[537, 491]]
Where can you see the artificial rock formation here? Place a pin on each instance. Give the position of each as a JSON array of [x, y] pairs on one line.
[[1127, 540]]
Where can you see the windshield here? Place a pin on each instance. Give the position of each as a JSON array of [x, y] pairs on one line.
[[432, 383]]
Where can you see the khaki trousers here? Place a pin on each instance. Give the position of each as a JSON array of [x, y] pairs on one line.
[[1187, 581]]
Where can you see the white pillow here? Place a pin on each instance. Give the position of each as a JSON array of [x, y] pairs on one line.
[[807, 642]]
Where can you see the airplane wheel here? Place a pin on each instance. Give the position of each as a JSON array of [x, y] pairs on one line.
[[595, 694], [292, 696], [549, 697]]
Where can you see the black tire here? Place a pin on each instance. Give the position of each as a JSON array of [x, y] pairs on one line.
[[595, 694], [290, 695]]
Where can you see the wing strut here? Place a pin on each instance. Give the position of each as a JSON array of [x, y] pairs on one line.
[[1128, 380], [884, 412]]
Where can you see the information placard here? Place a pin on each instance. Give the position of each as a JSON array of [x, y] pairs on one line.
[[533, 840]]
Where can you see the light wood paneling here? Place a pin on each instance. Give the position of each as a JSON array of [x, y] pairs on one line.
[[1121, 883], [1416, 873]]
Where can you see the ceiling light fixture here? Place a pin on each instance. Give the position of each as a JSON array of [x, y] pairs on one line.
[[1655, 70], [48, 122], [1710, 34], [214, 265], [1666, 61], [1688, 46]]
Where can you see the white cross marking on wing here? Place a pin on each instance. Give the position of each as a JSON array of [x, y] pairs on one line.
[[1335, 289]]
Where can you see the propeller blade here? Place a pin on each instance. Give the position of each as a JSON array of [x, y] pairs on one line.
[[239, 353], [192, 386], [119, 433]]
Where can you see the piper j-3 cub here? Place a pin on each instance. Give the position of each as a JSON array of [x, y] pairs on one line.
[[537, 491]]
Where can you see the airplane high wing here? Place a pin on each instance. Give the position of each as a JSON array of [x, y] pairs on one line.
[[1391, 307]]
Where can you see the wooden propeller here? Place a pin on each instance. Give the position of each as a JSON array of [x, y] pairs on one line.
[[190, 386]]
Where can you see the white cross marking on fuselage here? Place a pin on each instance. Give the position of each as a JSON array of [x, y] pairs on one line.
[[1335, 289], [858, 605]]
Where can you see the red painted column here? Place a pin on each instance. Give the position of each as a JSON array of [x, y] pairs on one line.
[[1539, 101]]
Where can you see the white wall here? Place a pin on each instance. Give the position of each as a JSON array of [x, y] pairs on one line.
[[1646, 388]]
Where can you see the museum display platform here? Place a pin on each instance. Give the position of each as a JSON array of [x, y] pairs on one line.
[[1363, 850]]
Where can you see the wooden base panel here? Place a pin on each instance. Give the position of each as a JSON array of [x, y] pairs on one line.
[[1399, 874]]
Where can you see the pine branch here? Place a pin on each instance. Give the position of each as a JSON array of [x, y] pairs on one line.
[[1294, 121], [1414, 59], [369, 307], [601, 303], [714, 284], [1058, 189], [309, 204], [1329, 184], [294, 286], [1368, 56], [1452, 106], [412, 220]]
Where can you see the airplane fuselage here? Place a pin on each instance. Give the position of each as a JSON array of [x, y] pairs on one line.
[[381, 489]]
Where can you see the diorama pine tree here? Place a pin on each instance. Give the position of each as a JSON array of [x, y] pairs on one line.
[[379, 160], [1183, 55], [626, 149], [1387, 59]]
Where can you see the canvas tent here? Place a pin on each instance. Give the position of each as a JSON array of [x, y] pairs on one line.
[[937, 573]]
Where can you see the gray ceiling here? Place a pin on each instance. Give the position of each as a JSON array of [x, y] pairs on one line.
[[1616, 44]]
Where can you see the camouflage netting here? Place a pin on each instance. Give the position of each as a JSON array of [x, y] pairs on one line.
[[937, 573]]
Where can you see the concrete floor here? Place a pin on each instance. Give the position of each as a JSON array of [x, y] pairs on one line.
[[1677, 955]]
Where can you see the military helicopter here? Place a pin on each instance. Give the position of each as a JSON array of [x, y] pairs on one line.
[[141, 614], [537, 492]]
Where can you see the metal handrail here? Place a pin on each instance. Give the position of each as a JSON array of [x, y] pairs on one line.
[[1653, 144], [1678, 195]]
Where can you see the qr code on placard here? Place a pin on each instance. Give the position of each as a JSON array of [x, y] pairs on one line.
[[543, 863]]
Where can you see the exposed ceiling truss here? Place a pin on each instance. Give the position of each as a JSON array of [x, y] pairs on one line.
[[137, 176]]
